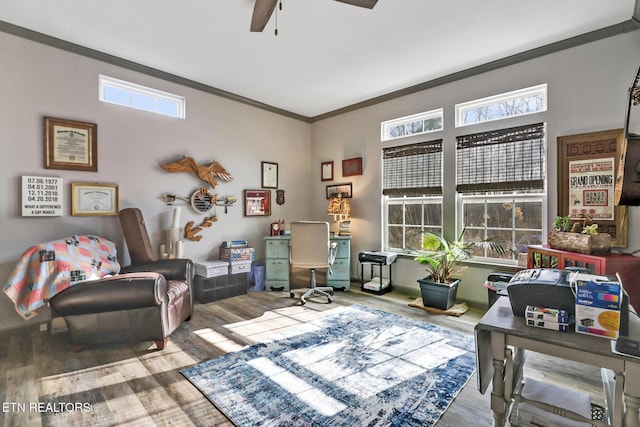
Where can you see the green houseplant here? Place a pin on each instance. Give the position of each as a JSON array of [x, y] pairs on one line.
[[440, 258]]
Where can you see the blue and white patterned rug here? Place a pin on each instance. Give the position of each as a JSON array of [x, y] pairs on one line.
[[355, 367]]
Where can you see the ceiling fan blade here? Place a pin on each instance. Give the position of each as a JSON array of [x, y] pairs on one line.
[[362, 3], [262, 11]]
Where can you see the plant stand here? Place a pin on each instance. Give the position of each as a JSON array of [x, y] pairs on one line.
[[438, 295]]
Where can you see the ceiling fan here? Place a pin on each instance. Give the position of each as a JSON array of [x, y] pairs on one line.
[[263, 9]]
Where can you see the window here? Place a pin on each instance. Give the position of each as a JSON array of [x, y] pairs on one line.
[[500, 183], [511, 104], [131, 95], [412, 190], [417, 124]]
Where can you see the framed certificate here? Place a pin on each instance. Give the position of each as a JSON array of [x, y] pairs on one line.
[[70, 145], [269, 175], [94, 199], [327, 171]]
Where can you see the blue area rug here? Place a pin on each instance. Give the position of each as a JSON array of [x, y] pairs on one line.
[[357, 366]]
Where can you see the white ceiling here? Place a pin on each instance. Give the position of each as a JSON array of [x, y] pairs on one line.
[[327, 55]]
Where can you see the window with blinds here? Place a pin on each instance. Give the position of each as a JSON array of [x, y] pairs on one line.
[[412, 188], [501, 160], [413, 169], [500, 180]]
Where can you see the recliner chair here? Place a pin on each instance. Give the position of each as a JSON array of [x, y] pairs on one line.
[[311, 247], [147, 301]]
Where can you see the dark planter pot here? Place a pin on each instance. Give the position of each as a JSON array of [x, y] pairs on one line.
[[438, 295]]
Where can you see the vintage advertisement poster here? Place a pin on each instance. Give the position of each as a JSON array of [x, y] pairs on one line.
[[591, 189]]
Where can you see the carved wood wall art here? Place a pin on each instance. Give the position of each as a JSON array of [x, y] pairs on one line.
[[208, 173], [190, 231]]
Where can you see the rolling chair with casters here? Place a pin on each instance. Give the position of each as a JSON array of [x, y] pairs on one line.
[[311, 248]]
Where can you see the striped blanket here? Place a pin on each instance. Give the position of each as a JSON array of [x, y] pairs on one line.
[[48, 268]]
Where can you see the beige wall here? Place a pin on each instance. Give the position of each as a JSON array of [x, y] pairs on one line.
[[38, 81], [587, 89], [587, 92]]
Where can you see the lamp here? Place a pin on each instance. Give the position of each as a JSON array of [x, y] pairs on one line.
[[340, 208]]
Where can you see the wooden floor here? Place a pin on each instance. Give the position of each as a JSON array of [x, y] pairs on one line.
[[42, 383]]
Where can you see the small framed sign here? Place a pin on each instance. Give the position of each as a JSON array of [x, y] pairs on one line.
[[41, 196]]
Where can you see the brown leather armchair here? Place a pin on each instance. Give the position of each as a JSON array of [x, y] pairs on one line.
[[147, 301]]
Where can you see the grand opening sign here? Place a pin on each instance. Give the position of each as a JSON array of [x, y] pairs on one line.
[[591, 189], [41, 196]]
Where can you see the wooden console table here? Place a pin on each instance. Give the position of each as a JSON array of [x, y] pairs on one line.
[[502, 340]]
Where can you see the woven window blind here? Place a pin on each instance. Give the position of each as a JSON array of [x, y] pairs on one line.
[[501, 160], [412, 170]]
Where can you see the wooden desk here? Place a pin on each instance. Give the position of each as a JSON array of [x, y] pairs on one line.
[[502, 340]]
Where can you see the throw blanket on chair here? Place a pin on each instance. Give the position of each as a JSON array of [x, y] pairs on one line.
[[48, 268]]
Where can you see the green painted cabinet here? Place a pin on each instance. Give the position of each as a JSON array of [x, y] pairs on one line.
[[278, 268]]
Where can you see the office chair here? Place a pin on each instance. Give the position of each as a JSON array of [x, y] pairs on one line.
[[311, 247]]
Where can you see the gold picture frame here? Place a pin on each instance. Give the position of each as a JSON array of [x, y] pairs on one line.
[[94, 199], [70, 145], [587, 168]]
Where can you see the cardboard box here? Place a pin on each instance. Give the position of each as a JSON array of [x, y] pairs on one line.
[[598, 304], [547, 324], [547, 314]]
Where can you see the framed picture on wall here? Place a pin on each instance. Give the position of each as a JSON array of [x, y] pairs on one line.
[[587, 169], [89, 199], [326, 171], [352, 167], [257, 202], [269, 175], [336, 190], [70, 145]]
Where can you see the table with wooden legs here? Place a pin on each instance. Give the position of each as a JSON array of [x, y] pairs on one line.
[[503, 340]]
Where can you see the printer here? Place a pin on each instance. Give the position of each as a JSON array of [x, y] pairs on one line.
[[541, 287], [551, 288], [378, 257]]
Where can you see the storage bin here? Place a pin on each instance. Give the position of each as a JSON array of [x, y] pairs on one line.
[[237, 254], [240, 267], [211, 268]]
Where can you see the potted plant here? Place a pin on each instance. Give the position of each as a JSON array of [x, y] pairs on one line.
[[578, 236], [440, 258]]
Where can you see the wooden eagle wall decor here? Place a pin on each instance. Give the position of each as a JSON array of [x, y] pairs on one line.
[[208, 173]]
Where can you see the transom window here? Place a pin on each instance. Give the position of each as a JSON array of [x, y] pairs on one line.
[[132, 95], [510, 104], [416, 124]]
